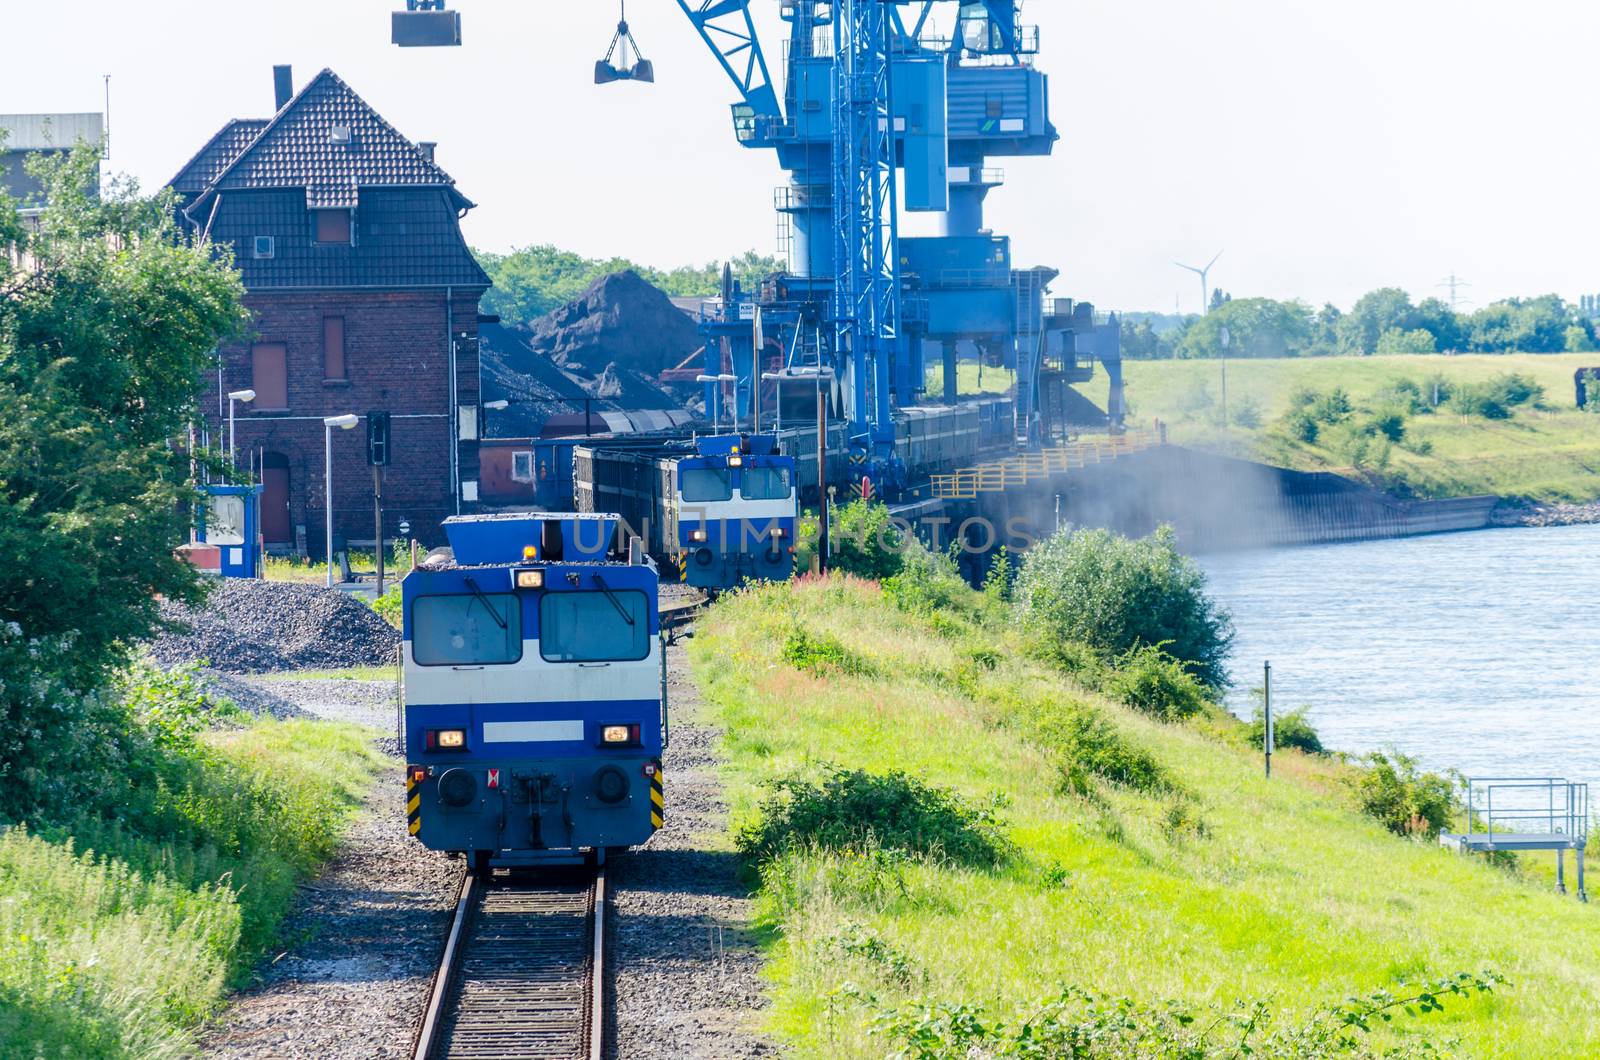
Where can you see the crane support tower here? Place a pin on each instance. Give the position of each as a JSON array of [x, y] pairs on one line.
[[933, 89]]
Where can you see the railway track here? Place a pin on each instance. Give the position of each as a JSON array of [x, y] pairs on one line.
[[521, 977]]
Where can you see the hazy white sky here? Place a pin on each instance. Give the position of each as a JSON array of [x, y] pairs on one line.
[[1327, 148]]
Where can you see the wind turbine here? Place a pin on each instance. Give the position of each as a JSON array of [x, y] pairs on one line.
[[1205, 291]]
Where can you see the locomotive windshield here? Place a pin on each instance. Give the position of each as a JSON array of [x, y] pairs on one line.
[[705, 483], [468, 630], [602, 626], [764, 483]]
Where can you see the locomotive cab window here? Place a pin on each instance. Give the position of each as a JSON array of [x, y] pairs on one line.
[[594, 626], [471, 629], [705, 483], [764, 483]]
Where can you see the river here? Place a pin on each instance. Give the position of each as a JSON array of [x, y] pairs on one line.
[[1473, 651]]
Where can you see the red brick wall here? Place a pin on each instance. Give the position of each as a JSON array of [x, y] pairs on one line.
[[396, 359]]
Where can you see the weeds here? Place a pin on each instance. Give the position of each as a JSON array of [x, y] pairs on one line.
[[1079, 1025], [822, 654]]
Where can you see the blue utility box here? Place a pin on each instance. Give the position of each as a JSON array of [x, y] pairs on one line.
[[231, 521]]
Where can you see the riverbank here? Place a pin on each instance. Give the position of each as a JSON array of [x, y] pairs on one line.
[[1208, 887], [1517, 513], [1399, 428]]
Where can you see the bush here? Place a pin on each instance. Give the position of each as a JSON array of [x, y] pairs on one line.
[[1478, 399], [928, 583], [1246, 414], [1152, 682], [1300, 425], [388, 605], [857, 810], [1088, 746], [1289, 729], [1404, 800], [822, 654], [1116, 595], [865, 541]]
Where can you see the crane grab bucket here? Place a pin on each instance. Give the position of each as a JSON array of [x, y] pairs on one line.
[[617, 66]]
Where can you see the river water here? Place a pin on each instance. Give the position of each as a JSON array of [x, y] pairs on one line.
[[1474, 651]]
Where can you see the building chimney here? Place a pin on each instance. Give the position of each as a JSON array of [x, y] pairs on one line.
[[282, 86], [426, 147]]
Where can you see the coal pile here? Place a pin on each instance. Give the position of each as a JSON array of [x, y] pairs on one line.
[[260, 627], [620, 319]]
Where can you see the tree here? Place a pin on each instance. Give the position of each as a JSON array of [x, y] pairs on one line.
[[1440, 321], [1374, 313], [530, 282], [102, 342], [1417, 340], [1257, 327], [1219, 298]]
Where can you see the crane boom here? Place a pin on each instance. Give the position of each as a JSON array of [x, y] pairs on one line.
[[729, 31]]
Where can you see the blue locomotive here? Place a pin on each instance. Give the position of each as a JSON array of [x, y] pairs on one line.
[[534, 700], [719, 514]]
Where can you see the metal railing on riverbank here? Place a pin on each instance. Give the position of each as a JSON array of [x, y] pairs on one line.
[[1526, 813]]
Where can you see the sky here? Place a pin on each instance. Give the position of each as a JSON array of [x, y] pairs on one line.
[[1324, 149]]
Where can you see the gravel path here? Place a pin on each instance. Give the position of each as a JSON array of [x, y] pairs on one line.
[[685, 971], [364, 937]]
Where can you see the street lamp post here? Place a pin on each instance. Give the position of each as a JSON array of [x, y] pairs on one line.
[[716, 413], [344, 423], [235, 396]]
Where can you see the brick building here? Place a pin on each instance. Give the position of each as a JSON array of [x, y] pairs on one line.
[[365, 297]]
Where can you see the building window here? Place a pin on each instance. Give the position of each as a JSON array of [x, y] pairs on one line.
[[269, 375], [333, 226], [333, 348], [522, 467]]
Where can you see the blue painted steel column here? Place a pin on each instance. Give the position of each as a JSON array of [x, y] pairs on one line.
[[867, 289]]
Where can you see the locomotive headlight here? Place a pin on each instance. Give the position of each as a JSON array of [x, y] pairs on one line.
[[735, 461], [530, 579], [616, 734], [777, 532], [697, 535], [452, 739]]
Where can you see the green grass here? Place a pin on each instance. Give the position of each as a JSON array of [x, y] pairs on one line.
[[121, 933], [971, 378], [1547, 454], [1214, 886], [349, 673]]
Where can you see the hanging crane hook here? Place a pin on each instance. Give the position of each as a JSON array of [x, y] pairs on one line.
[[622, 43]]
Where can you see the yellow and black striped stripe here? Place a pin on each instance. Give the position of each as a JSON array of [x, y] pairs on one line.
[[413, 805], [658, 801]]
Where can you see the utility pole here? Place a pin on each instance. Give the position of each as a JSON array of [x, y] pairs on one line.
[[1453, 282], [1266, 700], [378, 457]]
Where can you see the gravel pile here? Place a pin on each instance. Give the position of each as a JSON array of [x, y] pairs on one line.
[[250, 697], [258, 627]]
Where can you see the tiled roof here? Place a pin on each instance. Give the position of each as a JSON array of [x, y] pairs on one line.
[[327, 149], [328, 141], [405, 237], [218, 153]]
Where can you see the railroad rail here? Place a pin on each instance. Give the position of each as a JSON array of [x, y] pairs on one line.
[[678, 613], [522, 974]]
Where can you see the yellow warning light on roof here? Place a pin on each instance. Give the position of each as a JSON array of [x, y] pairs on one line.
[[530, 551]]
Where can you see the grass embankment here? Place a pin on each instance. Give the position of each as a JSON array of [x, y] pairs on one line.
[[122, 927], [1202, 882], [1548, 451]]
